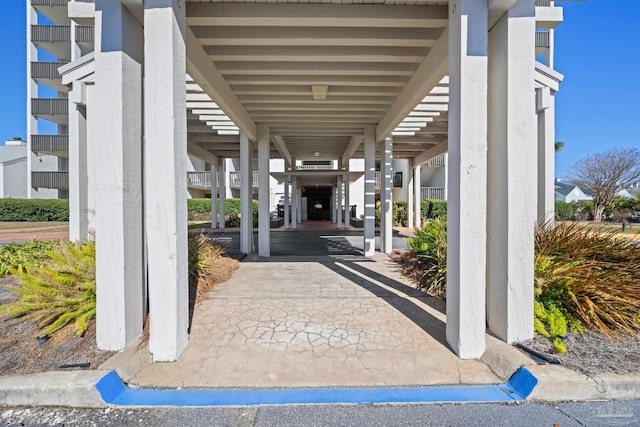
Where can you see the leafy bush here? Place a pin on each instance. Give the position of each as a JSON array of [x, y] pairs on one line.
[[589, 276], [400, 213], [60, 291], [197, 208], [563, 211], [433, 208], [34, 210], [582, 210], [430, 241], [16, 257]]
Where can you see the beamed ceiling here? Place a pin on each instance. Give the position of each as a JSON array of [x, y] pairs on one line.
[[378, 62]]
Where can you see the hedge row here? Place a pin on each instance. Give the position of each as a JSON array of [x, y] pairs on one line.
[[34, 210], [429, 209], [203, 206]]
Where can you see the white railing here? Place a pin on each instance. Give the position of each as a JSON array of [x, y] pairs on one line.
[[378, 177], [51, 33], [53, 180], [542, 39], [50, 143], [199, 179], [432, 193], [315, 167], [234, 179], [436, 162]]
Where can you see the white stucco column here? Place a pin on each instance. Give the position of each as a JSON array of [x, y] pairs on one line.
[[466, 215], [512, 155], [287, 201], [347, 201], [369, 192], [410, 191], [264, 214], [32, 92], [299, 204], [117, 117], [222, 192], [339, 201], [214, 196], [78, 174], [294, 203], [417, 197], [165, 174], [386, 198], [246, 191], [546, 155], [334, 204]]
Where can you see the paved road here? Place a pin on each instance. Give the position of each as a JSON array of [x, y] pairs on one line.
[[528, 414]]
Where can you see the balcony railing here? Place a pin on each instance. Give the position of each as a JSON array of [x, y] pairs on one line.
[[84, 34], [234, 179], [542, 39], [49, 106], [50, 3], [54, 180], [436, 162], [378, 177], [50, 143], [46, 70], [315, 167], [432, 193], [200, 180], [543, 3], [51, 33]]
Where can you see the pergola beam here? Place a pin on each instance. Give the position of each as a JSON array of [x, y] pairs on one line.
[[431, 153], [201, 153], [354, 143], [280, 145]]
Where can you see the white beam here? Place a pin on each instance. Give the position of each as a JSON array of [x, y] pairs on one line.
[[281, 146], [431, 153], [354, 143], [205, 73], [264, 218], [246, 196], [201, 153], [369, 191], [386, 202], [429, 73]]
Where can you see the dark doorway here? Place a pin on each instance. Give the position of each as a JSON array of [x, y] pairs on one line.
[[318, 202]]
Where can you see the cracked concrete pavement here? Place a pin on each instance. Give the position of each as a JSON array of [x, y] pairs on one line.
[[317, 321]]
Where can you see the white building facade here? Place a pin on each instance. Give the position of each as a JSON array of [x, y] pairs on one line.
[[272, 90]]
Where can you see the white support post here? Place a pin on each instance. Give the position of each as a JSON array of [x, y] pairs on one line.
[[165, 173], [299, 204], [287, 202], [222, 192], [294, 203], [339, 200], [246, 191], [369, 192], [334, 205], [32, 92], [214, 196], [264, 217], [410, 191], [417, 196], [78, 173], [386, 199], [546, 156], [347, 201], [466, 228], [512, 158], [118, 154]]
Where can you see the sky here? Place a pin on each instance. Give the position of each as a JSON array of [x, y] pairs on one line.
[[597, 49]]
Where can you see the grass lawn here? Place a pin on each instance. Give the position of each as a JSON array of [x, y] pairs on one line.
[[632, 231], [30, 225]]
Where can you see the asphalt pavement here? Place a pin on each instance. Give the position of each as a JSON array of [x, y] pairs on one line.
[[626, 413]]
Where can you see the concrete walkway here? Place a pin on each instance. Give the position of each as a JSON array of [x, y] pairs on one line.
[[316, 321]]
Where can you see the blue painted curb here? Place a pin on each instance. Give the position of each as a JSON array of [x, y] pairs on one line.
[[114, 392]]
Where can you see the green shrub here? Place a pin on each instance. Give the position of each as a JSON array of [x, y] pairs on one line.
[[34, 210], [400, 213], [582, 210], [203, 206], [563, 211], [433, 208], [16, 257], [430, 241]]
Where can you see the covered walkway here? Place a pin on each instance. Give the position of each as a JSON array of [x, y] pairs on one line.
[[321, 321]]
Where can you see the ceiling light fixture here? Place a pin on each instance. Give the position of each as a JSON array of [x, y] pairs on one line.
[[319, 92]]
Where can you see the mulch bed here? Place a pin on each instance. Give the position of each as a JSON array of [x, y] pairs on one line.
[[21, 353], [416, 268]]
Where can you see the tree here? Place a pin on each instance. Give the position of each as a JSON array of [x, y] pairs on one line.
[[603, 175], [559, 145]]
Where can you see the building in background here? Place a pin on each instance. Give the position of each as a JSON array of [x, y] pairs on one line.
[[13, 169]]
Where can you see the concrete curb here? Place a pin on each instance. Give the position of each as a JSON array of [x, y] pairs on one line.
[[557, 383], [74, 389]]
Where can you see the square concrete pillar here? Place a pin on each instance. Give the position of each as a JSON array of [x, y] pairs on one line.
[[386, 198], [287, 202], [165, 173], [466, 228], [294, 203], [410, 194], [546, 155], [347, 201], [222, 192], [78, 159], [117, 117], [512, 156], [339, 201], [214, 196], [417, 197], [369, 192], [246, 196], [264, 214]]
